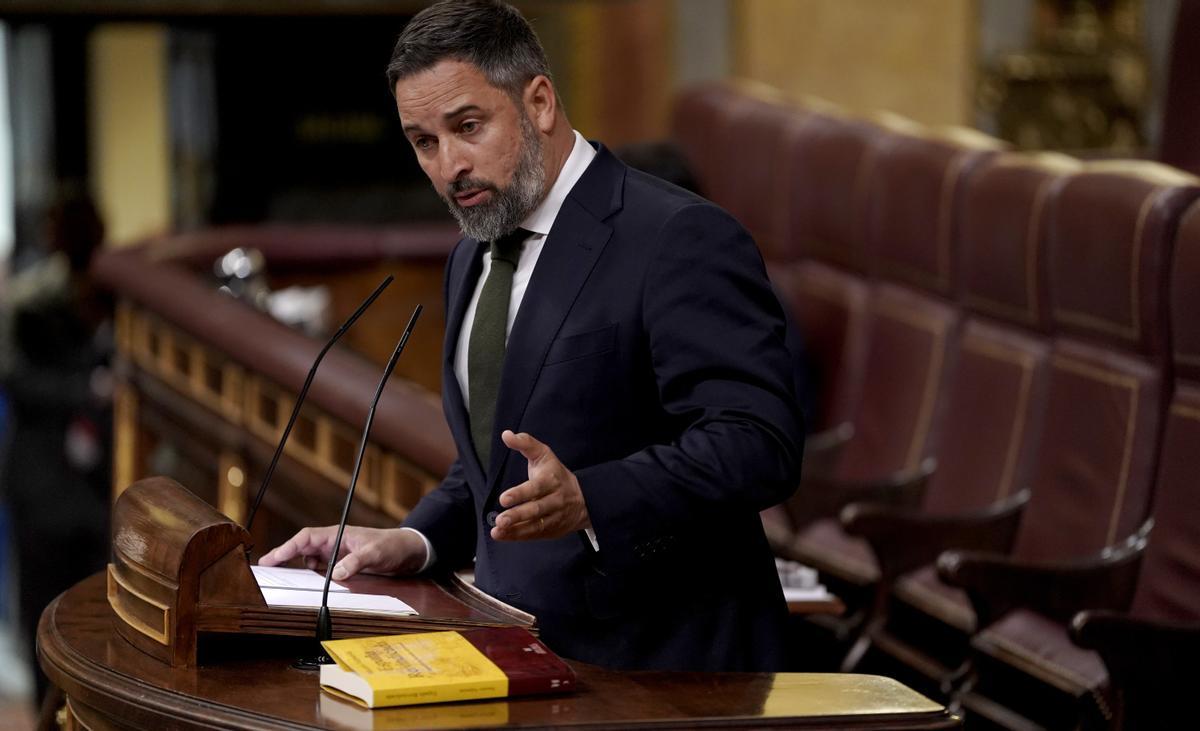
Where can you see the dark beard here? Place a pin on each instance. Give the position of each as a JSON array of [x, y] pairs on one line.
[[509, 206]]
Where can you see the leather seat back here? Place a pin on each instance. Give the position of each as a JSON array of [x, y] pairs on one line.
[[700, 120], [908, 356], [912, 195], [992, 420], [832, 161], [914, 191], [760, 124], [825, 288], [1169, 584], [1111, 227]]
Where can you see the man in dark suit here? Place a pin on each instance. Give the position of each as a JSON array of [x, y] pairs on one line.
[[615, 376]]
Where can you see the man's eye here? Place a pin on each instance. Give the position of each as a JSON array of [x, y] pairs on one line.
[[423, 143], [469, 127]]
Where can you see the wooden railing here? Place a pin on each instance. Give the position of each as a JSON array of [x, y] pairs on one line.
[[206, 383]]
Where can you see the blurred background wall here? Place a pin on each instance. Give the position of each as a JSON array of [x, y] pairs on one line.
[[185, 113]]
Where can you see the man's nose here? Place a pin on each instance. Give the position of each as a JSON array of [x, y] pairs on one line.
[[454, 162]]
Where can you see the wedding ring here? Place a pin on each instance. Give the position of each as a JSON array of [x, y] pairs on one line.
[[541, 525]]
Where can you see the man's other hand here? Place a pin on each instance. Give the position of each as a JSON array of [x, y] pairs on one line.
[[547, 505], [363, 550]]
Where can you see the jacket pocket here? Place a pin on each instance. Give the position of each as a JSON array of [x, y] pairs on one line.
[[583, 345]]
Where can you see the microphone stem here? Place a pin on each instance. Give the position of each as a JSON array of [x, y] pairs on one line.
[[324, 624]]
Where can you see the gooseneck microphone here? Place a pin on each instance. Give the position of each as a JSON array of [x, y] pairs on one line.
[[262, 489], [324, 622]]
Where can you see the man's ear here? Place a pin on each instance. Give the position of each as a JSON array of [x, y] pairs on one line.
[[541, 103]]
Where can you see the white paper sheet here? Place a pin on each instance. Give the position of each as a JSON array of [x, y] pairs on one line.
[[374, 603], [816, 593], [280, 577]]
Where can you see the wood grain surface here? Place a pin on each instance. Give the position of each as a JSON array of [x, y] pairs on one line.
[[248, 682]]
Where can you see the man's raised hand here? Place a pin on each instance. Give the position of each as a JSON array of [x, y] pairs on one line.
[[547, 505]]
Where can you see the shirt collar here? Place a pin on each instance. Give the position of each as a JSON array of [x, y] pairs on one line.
[[542, 218]]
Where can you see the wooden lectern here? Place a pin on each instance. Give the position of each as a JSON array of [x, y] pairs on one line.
[[180, 569]]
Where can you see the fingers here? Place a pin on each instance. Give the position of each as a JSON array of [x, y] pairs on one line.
[[527, 501], [524, 531], [532, 489], [547, 505], [380, 551], [356, 561], [543, 517], [363, 550], [309, 543], [347, 567], [546, 473], [531, 449]]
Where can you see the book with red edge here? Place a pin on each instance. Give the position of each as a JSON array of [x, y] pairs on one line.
[[436, 667]]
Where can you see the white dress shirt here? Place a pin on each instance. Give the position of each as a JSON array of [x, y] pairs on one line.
[[538, 223]]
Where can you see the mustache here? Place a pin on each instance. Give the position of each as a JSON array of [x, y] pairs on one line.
[[465, 184]]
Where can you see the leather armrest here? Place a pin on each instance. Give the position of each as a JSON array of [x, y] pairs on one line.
[[1110, 632], [904, 539], [821, 450], [1151, 662], [777, 525], [1056, 589], [822, 497]]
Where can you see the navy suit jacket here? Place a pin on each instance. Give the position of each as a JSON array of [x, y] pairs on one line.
[[649, 354]]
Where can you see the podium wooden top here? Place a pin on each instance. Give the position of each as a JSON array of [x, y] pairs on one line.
[[249, 683]]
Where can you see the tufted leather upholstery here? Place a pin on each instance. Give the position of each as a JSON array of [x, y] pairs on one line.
[[1185, 299], [908, 357], [913, 194], [759, 130], [1037, 646], [1150, 652], [1111, 239], [1169, 585], [1110, 230], [993, 406], [832, 161], [1002, 225], [1000, 380], [925, 592], [828, 549], [832, 309], [821, 282], [1005, 313], [700, 124]]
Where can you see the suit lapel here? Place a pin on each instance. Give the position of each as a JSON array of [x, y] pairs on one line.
[[460, 287], [573, 246]]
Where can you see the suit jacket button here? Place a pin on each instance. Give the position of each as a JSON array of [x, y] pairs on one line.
[[491, 518]]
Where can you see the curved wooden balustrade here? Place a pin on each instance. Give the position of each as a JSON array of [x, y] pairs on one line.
[[206, 383]]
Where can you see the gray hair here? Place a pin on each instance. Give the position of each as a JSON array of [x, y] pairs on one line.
[[491, 35]]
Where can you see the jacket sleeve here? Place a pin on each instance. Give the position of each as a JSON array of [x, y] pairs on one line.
[[446, 516], [716, 336]]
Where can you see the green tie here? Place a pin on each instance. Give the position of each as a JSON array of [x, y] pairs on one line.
[[485, 351]]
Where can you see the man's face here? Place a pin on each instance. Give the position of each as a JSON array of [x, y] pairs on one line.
[[477, 145]]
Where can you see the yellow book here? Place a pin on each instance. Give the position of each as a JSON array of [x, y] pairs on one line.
[[435, 667]]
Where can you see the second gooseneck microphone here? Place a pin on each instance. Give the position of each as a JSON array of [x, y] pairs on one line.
[[324, 622]]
